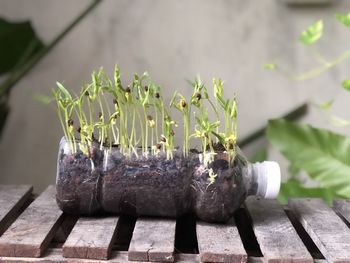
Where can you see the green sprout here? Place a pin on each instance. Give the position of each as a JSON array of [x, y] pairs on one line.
[[65, 107], [179, 102], [135, 116], [229, 138]]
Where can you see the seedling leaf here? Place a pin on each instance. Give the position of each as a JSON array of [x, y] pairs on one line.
[[270, 66], [346, 84], [326, 105], [63, 90], [344, 19], [311, 34]]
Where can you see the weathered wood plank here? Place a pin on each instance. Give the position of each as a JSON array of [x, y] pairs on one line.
[[31, 233], [12, 198], [342, 207], [153, 240], [91, 238], [220, 243], [55, 255], [278, 240], [327, 230]]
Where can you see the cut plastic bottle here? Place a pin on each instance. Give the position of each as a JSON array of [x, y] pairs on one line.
[[103, 180]]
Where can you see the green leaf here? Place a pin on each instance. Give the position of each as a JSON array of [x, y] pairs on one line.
[[344, 19], [270, 66], [64, 90], [293, 170], [294, 188], [311, 34], [322, 154], [326, 105], [18, 42], [259, 156], [43, 98], [346, 84]]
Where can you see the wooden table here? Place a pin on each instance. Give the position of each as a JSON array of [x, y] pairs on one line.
[[307, 230]]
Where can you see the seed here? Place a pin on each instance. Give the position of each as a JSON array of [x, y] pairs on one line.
[[183, 104], [158, 146], [157, 95], [115, 101], [79, 129], [149, 117], [198, 96], [128, 90], [100, 115], [172, 133], [146, 88], [231, 146], [87, 93], [162, 138], [70, 122]]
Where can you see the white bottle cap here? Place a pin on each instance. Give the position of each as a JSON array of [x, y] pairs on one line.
[[269, 179]]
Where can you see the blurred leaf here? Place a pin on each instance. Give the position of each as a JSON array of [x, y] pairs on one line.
[[294, 188], [344, 19], [259, 156], [18, 42], [323, 155], [338, 121], [326, 105], [293, 169], [311, 34], [270, 66], [43, 98], [346, 84]]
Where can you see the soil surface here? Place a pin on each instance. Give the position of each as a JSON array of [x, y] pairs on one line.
[[153, 186]]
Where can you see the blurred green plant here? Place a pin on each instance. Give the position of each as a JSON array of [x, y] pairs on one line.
[[18, 43], [21, 50], [323, 155]]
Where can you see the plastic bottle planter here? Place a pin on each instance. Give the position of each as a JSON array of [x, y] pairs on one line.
[[108, 181]]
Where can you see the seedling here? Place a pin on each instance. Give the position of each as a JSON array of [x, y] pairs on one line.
[[135, 117]]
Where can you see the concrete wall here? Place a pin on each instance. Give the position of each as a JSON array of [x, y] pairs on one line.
[[173, 41]]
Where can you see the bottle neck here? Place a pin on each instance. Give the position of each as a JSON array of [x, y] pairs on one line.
[[264, 179]]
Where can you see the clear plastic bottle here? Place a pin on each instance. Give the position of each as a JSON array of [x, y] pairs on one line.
[[108, 181]]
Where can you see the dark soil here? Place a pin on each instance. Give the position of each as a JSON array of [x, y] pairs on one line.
[[77, 182], [152, 186]]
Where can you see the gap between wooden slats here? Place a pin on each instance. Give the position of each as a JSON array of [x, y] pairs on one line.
[[33, 230], [308, 242], [12, 200], [327, 230], [277, 238], [91, 238], [342, 208], [245, 229], [153, 240], [185, 235]]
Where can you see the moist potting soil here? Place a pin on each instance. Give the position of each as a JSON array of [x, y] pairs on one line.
[[110, 182]]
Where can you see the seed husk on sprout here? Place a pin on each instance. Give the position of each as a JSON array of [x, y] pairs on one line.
[[139, 115]]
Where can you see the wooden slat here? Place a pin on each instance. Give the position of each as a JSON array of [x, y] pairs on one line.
[[343, 208], [31, 233], [327, 230], [220, 243], [153, 240], [55, 255], [278, 240], [12, 198], [91, 238]]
